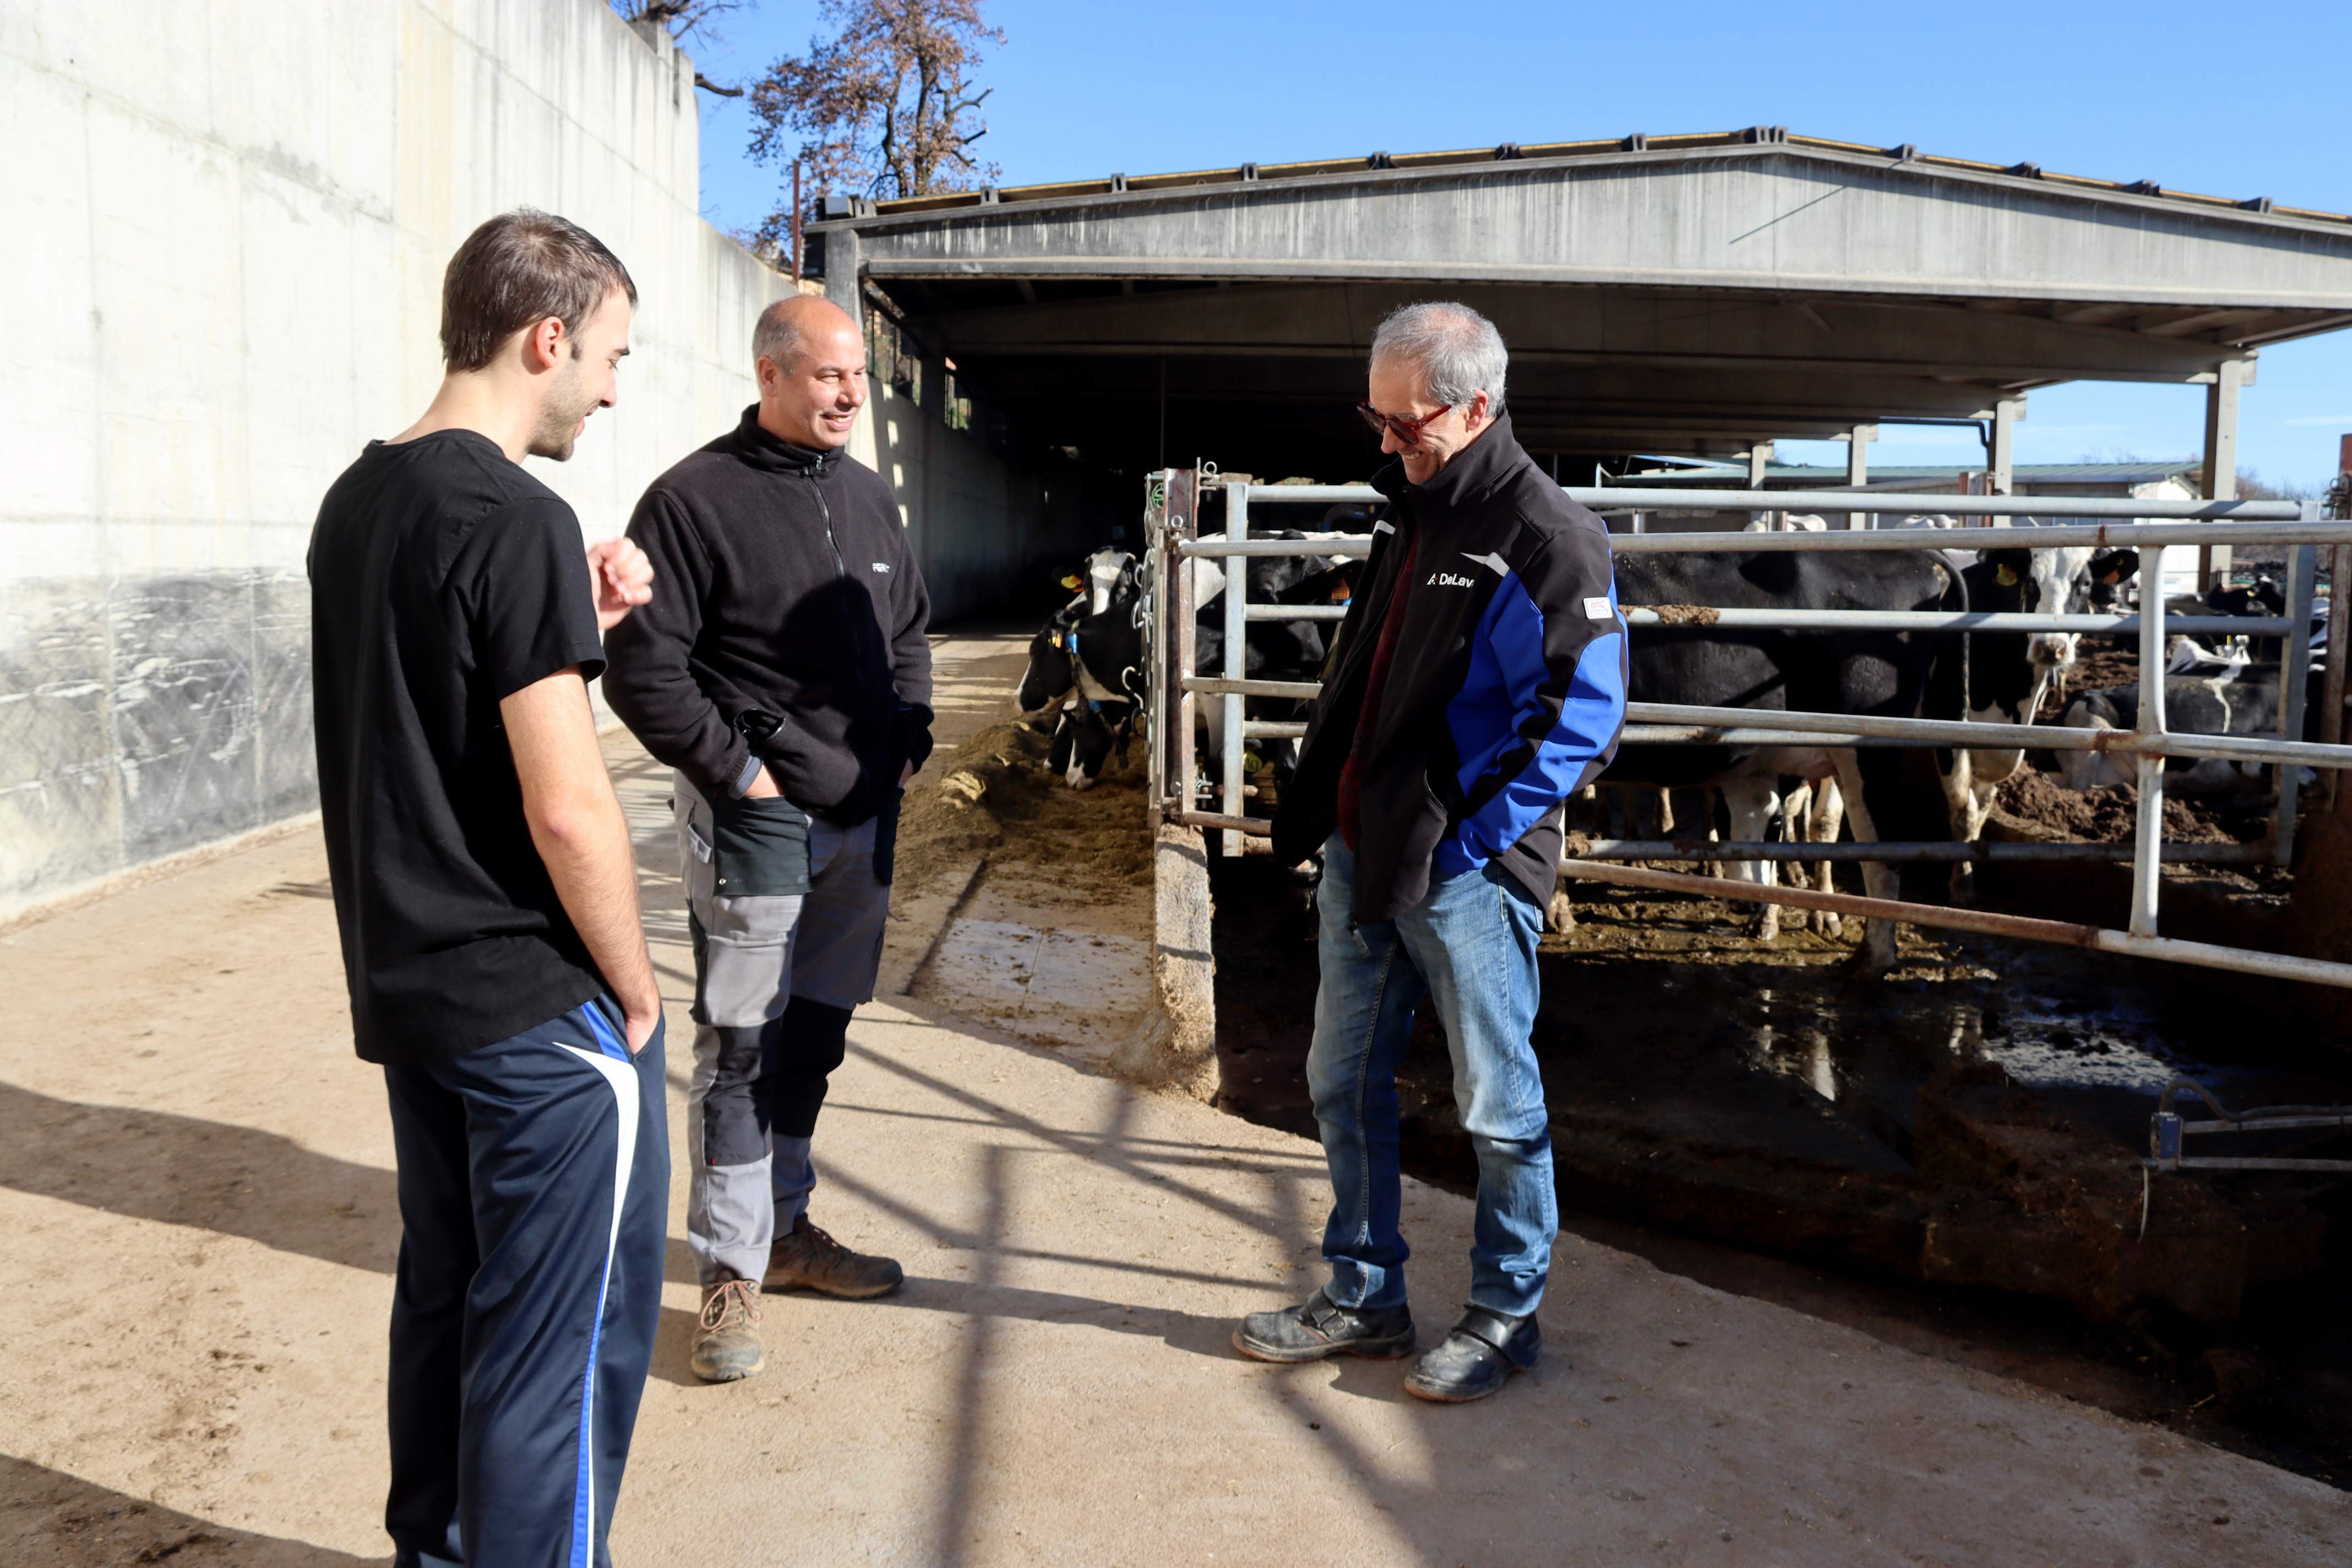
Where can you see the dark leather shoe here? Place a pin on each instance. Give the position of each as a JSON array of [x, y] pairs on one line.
[[806, 1259], [1321, 1327], [1483, 1350]]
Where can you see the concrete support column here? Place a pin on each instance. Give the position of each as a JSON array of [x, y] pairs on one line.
[[1857, 467], [843, 260], [1760, 456], [932, 386], [2003, 475], [2220, 474]]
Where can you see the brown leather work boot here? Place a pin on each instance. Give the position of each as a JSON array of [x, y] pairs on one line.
[[806, 1259], [726, 1345]]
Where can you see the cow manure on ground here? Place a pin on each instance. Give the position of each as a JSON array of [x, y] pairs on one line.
[[995, 796], [2107, 816]]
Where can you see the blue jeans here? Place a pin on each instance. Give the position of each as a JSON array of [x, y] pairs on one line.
[[1470, 945]]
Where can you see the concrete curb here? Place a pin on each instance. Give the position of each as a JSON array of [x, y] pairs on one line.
[[1175, 1047]]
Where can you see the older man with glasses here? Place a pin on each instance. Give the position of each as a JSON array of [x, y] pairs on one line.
[[1477, 681]]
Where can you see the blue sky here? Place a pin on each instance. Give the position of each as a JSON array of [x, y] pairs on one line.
[[2227, 101]]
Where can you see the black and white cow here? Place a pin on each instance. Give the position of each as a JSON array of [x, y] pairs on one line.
[[1089, 659], [1886, 793], [1272, 649], [2223, 699], [2010, 675]]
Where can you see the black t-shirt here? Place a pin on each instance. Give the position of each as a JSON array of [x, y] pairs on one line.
[[443, 578]]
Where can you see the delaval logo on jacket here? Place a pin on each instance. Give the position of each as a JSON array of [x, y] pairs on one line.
[[1505, 694]]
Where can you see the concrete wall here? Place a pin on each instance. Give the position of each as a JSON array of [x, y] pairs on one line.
[[224, 224]]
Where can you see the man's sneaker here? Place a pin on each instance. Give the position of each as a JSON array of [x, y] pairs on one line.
[[727, 1336], [1320, 1327], [1484, 1349], [806, 1259]]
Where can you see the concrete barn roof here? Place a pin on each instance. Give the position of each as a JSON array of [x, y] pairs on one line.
[[1671, 293]]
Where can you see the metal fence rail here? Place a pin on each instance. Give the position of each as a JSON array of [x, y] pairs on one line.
[[2297, 524]]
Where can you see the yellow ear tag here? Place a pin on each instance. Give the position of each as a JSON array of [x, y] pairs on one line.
[[2005, 576], [1071, 583]]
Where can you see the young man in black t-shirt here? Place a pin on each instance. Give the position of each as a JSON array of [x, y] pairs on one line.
[[486, 895]]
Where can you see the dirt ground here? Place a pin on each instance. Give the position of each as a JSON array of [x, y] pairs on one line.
[[197, 1190]]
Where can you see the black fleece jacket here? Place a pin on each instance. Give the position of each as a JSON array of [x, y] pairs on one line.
[[783, 583]]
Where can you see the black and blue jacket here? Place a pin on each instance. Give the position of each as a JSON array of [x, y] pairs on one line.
[[1504, 696]]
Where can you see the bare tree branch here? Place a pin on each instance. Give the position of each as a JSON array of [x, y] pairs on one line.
[[884, 107], [682, 19]]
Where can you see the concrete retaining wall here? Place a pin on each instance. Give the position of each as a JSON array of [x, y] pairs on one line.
[[225, 223]]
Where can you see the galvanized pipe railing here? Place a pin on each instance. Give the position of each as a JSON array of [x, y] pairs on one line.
[[1904, 854], [2247, 522], [1715, 726], [2208, 955]]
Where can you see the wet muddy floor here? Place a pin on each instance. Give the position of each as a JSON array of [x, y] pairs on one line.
[[1666, 1030]]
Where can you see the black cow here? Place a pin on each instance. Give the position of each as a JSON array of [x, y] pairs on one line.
[[1090, 656]]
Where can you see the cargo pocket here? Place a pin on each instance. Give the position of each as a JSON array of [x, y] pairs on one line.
[[760, 847], [886, 836]]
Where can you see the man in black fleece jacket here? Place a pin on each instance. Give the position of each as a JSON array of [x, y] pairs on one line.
[[787, 677]]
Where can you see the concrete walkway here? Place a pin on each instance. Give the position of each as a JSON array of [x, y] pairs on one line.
[[195, 1195]]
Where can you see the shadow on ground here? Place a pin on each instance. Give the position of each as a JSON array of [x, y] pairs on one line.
[[180, 1170], [50, 1519]]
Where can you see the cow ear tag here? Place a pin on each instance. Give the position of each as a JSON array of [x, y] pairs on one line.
[[1071, 583], [2005, 576]]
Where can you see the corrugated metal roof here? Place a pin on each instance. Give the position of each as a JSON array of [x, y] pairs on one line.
[[1513, 152]]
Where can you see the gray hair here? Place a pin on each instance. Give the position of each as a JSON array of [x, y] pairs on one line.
[[1457, 351], [777, 335]]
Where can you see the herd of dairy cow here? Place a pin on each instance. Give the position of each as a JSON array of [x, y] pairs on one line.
[[1086, 675]]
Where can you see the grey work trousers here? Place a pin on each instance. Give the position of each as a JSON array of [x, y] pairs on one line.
[[753, 956]]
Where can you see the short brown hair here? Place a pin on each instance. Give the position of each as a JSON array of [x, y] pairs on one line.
[[519, 267]]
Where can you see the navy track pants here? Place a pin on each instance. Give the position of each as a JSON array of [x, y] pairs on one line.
[[534, 1207]]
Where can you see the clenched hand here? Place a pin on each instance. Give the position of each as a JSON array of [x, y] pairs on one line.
[[624, 579]]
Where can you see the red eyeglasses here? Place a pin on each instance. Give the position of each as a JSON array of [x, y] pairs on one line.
[[1407, 431]]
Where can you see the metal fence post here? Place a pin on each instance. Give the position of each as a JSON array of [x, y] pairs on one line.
[[1160, 554], [2331, 709], [1237, 571], [2294, 676], [2147, 838], [1184, 649]]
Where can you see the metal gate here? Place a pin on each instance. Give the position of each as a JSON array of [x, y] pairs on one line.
[[1173, 526]]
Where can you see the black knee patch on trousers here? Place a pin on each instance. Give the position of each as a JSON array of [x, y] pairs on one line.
[[735, 1113], [810, 1045]]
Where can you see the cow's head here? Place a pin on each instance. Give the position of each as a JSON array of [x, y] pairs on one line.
[[2040, 582], [1088, 737], [2105, 578], [1048, 672], [1109, 578]]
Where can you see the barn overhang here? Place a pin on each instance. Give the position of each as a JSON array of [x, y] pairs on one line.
[[1692, 294]]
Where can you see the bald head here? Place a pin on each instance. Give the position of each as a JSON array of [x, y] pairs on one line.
[[812, 368], [783, 325]]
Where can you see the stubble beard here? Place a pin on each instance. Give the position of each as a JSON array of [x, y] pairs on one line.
[[559, 421]]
